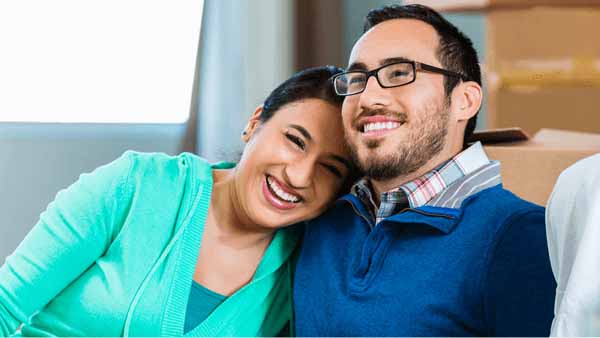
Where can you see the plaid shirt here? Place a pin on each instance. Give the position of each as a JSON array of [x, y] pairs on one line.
[[421, 190]]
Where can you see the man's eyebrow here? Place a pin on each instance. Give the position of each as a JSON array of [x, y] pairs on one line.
[[357, 66], [394, 60], [387, 61], [302, 131]]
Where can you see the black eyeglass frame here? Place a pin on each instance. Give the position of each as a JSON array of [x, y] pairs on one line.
[[415, 65]]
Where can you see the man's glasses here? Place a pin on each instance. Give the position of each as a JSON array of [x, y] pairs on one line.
[[391, 75]]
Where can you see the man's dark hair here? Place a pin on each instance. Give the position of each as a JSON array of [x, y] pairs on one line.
[[455, 51], [311, 83]]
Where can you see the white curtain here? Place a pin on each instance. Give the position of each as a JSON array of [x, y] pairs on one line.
[[246, 49]]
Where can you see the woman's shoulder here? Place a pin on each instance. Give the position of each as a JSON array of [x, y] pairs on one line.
[[155, 165], [168, 184], [148, 177]]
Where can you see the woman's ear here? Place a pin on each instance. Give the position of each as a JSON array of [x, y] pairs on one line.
[[252, 124], [467, 100]]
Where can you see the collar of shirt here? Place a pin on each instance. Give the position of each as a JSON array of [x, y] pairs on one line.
[[422, 190]]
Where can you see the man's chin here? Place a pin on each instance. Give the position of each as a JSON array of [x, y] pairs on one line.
[[390, 141], [372, 144], [369, 149], [370, 156]]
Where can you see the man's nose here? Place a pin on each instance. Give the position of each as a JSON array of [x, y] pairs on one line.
[[374, 94]]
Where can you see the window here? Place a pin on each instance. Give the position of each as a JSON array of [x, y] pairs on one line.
[[105, 61]]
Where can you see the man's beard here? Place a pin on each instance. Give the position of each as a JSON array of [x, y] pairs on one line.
[[425, 140]]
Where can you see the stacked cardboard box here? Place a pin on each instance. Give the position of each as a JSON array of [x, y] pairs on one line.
[[542, 61], [542, 70], [531, 165], [479, 5]]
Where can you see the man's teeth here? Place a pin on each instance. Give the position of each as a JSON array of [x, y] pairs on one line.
[[280, 193], [380, 126]]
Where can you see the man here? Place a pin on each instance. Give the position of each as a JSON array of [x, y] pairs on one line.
[[428, 243], [573, 227]]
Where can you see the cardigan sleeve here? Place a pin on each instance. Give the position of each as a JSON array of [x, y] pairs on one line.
[[519, 287], [71, 234]]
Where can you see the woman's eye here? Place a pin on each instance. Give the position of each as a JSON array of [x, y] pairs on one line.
[[298, 141], [333, 170]]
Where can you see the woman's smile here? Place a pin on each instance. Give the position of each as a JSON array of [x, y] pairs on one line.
[[278, 195]]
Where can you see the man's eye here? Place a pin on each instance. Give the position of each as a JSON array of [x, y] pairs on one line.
[[356, 79], [298, 141], [399, 73]]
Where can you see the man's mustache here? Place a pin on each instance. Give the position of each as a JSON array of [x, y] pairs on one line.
[[400, 116]]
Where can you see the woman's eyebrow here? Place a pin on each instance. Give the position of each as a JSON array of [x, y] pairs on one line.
[[302, 131], [335, 157], [341, 160]]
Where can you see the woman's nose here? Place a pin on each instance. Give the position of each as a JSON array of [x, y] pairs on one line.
[[300, 173]]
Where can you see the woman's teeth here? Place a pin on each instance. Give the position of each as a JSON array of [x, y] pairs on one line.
[[280, 193], [380, 126]]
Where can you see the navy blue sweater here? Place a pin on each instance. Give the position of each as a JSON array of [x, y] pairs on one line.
[[479, 270]]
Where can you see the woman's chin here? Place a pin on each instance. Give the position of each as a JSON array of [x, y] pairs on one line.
[[276, 221]]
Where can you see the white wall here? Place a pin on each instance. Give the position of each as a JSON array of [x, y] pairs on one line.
[[37, 160]]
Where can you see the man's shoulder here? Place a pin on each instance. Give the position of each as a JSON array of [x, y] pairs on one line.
[[343, 215], [503, 215], [493, 212], [349, 204], [499, 198]]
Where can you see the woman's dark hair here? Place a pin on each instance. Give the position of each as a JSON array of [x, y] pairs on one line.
[[312, 83], [455, 50]]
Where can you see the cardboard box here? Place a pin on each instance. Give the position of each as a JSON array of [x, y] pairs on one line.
[[547, 34], [533, 108], [476, 5], [531, 166], [543, 68]]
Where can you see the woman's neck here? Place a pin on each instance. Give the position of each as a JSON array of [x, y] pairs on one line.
[[228, 217]]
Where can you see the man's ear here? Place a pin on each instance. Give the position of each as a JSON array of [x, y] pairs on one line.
[[252, 124], [466, 100]]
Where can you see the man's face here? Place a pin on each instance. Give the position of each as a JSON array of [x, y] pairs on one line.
[[414, 117]]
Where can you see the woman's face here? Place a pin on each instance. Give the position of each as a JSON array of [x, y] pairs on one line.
[[293, 165]]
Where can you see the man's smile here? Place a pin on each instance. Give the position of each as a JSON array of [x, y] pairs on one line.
[[378, 125]]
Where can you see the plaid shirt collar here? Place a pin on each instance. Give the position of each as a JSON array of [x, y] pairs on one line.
[[421, 190]]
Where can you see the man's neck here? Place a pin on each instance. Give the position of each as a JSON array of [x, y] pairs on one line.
[[380, 187]]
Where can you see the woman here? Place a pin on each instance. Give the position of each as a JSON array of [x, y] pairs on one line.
[[156, 245], [573, 230]]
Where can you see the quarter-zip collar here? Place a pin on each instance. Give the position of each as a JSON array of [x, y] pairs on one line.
[[446, 185], [442, 219]]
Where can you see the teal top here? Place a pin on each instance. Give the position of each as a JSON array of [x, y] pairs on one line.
[[201, 303], [114, 254]]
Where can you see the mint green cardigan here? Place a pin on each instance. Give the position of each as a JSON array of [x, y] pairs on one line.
[[115, 253]]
